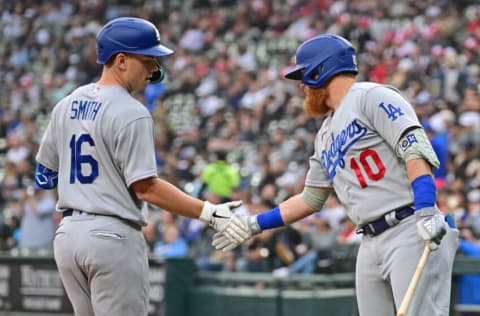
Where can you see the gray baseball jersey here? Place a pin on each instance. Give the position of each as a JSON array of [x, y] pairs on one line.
[[355, 152], [100, 140]]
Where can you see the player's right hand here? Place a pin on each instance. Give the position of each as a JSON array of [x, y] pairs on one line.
[[223, 220], [222, 242], [431, 226]]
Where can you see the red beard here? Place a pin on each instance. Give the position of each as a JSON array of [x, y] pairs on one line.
[[314, 103]]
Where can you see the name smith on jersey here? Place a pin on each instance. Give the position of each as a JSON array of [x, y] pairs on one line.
[[84, 109]]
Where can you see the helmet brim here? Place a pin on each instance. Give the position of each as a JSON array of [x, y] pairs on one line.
[[295, 73], [156, 51]]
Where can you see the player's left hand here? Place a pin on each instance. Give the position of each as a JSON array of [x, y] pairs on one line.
[[223, 220], [431, 226]]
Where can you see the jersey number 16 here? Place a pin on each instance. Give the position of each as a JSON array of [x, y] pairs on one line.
[[77, 159]]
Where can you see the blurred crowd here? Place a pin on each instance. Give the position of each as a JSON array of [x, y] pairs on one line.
[[225, 105]]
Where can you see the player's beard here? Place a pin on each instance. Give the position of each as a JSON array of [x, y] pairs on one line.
[[315, 101]]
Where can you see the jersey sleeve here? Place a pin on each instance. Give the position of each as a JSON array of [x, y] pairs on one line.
[[47, 154], [316, 175], [389, 113], [135, 150]]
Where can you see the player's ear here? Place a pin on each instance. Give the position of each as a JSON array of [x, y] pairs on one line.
[[121, 61]]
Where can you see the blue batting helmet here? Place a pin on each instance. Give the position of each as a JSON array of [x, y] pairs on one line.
[[129, 35], [322, 57]]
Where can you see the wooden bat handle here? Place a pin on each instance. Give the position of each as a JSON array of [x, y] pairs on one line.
[[413, 283]]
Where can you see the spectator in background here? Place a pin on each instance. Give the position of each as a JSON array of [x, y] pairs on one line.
[[9, 232], [150, 231], [348, 232], [17, 169], [408, 43], [220, 178], [255, 257], [471, 219], [439, 139], [17, 151], [286, 246], [37, 222], [321, 239], [153, 91], [468, 290], [333, 212], [172, 245], [258, 254]]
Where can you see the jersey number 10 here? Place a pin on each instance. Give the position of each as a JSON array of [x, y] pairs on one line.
[[364, 162], [77, 159]]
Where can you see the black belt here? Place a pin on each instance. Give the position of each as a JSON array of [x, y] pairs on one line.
[[390, 219]]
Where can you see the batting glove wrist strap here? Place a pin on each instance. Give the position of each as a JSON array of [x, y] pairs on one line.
[[206, 213], [427, 211], [253, 225]]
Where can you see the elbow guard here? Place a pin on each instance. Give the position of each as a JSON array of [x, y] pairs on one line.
[[45, 178], [414, 144]]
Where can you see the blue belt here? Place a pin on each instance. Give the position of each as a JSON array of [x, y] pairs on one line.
[[69, 212], [390, 219]]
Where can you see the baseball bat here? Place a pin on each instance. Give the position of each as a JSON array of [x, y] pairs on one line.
[[413, 283]]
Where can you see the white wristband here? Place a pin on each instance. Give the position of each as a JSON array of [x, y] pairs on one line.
[[206, 214]]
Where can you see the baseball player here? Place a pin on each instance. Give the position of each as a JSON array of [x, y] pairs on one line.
[[98, 149], [372, 150]]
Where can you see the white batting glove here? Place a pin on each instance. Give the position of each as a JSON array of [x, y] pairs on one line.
[[222, 219], [431, 226], [222, 242]]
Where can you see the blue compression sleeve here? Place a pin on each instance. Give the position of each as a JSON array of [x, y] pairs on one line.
[[424, 191], [270, 219], [45, 178]]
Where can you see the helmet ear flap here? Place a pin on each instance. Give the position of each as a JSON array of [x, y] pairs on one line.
[[158, 75], [312, 75], [316, 71]]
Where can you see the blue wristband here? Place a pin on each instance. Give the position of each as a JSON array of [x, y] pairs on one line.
[[45, 178], [270, 219], [424, 192]]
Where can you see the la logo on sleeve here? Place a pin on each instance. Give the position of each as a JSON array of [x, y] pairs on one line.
[[393, 112]]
